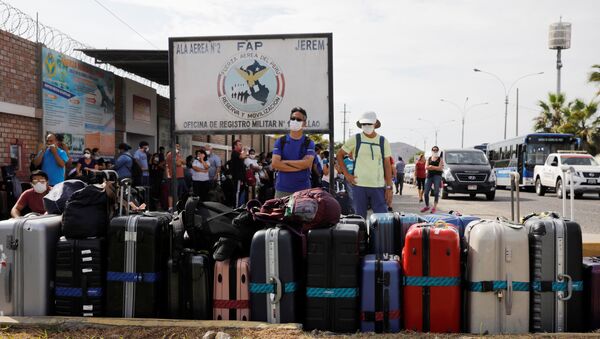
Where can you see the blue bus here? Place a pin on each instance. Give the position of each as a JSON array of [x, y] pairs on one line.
[[521, 154]]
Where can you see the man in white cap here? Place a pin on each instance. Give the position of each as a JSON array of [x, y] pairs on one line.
[[372, 174]]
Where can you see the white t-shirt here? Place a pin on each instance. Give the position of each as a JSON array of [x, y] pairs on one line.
[[199, 176]]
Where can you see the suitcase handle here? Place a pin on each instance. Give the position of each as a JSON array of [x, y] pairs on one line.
[[276, 297], [569, 287], [9, 283]]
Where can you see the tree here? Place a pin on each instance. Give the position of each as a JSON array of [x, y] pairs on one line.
[[594, 76], [552, 115]]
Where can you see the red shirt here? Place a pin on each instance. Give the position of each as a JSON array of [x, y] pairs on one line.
[[33, 200], [178, 169], [420, 170]]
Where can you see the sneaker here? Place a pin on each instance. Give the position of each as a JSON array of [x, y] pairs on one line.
[[433, 210], [420, 200], [424, 209]]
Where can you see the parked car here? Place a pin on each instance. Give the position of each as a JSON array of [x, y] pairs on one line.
[[550, 176], [467, 171], [409, 172]]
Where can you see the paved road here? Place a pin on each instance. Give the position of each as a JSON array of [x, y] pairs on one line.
[[587, 209]]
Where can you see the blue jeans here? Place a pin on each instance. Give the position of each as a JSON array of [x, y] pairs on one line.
[[361, 197], [436, 180]]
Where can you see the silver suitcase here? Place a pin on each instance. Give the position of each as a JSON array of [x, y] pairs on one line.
[[27, 253], [497, 277]]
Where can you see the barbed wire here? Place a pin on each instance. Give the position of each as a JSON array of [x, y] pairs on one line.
[[16, 22]]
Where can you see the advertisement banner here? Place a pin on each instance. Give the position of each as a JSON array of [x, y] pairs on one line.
[[250, 84], [79, 103]]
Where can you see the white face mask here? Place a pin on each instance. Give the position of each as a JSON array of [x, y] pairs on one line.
[[156, 159], [295, 126], [39, 187], [368, 129], [177, 151], [252, 156], [436, 154], [87, 155], [207, 152]]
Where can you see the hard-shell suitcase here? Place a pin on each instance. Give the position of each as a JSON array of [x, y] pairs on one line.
[[387, 231], [380, 293], [431, 268], [275, 280], [231, 296], [460, 221], [195, 285], [332, 279], [363, 233], [80, 271], [591, 288], [555, 254], [497, 277], [138, 250], [27, 253]]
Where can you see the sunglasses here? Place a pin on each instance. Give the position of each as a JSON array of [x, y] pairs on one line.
[[435, 150], [296, 119]]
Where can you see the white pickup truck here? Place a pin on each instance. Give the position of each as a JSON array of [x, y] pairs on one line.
[[586, 177]]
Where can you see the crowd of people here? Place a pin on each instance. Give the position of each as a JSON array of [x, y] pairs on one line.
[[364, 170]]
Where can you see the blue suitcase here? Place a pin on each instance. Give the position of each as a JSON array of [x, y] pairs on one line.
[[387, 231], [460, 221], [380, 295]]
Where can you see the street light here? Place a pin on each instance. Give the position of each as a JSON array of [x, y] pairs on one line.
[[506, 92], [463, 113], [436, 126]]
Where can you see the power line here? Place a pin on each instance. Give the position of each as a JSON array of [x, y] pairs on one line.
[[125, 23]]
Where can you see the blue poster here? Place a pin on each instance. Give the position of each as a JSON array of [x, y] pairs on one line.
[[79, 103]]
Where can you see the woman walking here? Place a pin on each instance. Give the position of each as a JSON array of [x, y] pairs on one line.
[[200, 178], [435, 168], [420, 176]]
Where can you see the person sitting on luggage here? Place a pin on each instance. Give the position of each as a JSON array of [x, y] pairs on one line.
[[86, 163], [293, 156], [372, 177], [33, 198]]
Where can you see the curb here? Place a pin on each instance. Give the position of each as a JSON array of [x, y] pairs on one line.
[[139, 322]]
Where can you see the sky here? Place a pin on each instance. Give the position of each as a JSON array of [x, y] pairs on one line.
[[397, 58]]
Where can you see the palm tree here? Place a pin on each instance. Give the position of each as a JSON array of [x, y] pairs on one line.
[[583, 122], [552, 115], [594, 76]]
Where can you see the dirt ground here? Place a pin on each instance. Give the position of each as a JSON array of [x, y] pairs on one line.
[[184, 333]]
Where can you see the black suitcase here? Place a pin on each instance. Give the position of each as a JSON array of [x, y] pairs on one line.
[[275, 286], [363, 235], [195, 285], [80, 269], [138, 250], [332, 279], [556, 274]]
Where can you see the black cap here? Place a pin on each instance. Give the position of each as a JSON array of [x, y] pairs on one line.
[[124, 146]]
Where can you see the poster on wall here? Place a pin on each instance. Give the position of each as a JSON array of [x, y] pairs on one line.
[[250, 83], [79, 103]]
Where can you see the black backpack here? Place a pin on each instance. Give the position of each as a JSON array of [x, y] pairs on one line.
[[136, 169]]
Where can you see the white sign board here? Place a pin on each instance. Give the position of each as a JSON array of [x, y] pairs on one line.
[[250, 84]]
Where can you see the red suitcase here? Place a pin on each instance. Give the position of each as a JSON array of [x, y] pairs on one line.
[[231, 300], [431, 265]]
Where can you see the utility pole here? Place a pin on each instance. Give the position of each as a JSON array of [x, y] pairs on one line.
[[517, 116], [345, 122]]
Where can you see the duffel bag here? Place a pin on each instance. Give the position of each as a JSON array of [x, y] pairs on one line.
[[56, 199], [205, 222], [312, 208], [86, 213]]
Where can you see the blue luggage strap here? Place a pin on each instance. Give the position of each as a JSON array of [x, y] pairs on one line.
[[265, 288], [432, 281], [134, 277], [495, 285], [77, 292], [320, 292], [555, 286]]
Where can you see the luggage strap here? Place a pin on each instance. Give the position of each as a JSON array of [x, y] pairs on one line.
[[432, 281], [77, 292], [378, 316], [555, 286], [260, 288], [231, 304], [151, 277], [495, 285], [319, 292]]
